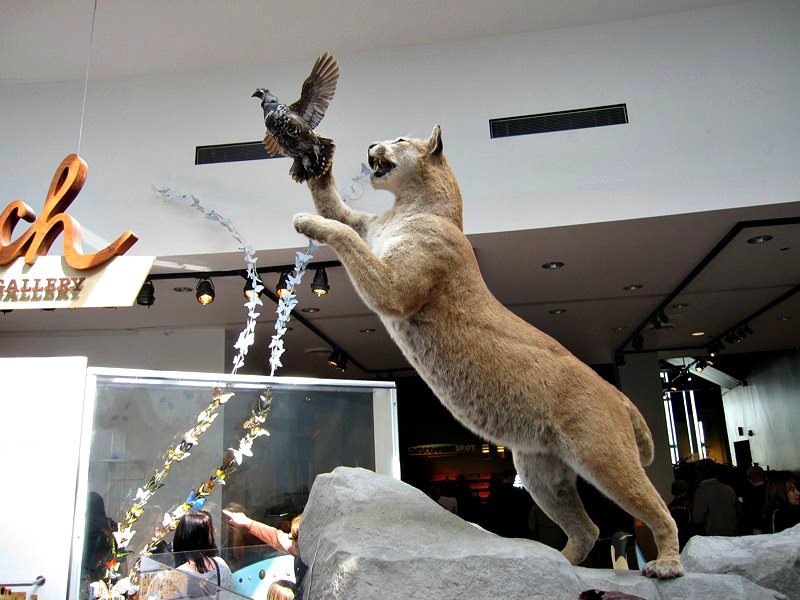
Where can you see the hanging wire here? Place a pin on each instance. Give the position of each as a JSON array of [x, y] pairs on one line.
[[86, 78]]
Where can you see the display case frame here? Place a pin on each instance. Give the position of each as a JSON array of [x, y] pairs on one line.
[[383, 411]]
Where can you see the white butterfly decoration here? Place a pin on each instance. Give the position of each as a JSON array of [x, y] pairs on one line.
[[247, 337], [142, 495], [122, 589], [123, 537], [245, 449]]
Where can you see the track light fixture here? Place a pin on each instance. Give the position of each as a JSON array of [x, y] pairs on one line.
[[320, 285], [248, 291], [338, 359], [283, 285], [662, 316], [205, 291], [147, 295], [638, 342], [655, 322]]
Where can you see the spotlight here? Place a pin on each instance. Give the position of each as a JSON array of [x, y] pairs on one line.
[[662, 316], [731, 338], [338, 359], [655, 322], [147, 295], [553, 265], [205, 291], [283, 285], [760, 239], [638, 342], [320, 285], [745, 329], [248, 291]]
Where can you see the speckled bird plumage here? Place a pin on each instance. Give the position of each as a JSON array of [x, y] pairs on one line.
[[290, 128]]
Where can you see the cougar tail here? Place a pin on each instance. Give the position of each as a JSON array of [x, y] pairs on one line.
[[644, 440], [314, 163]]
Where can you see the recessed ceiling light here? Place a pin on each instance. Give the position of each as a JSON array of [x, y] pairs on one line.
[[680, 305], [182, 289], [367, 330], [632, 287], [785, 248], [759, 239], [785, 318], [552, 265], [558, 311], [310, 309], [698, 333], [325, 351], [620, 328]]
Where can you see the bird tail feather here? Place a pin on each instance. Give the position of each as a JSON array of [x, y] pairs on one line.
[[314, 164]]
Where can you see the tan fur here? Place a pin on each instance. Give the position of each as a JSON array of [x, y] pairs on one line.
[[499, 376]]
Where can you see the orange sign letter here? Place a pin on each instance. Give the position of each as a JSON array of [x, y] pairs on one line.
[[36, 241]]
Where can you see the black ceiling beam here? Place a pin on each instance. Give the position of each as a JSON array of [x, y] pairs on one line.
[[329, 264], [782, 298], [727, 239]]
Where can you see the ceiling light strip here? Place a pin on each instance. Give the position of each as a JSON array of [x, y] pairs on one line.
[[721, 245]]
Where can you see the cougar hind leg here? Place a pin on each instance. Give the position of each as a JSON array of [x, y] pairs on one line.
[[614, 468], [552, 485]]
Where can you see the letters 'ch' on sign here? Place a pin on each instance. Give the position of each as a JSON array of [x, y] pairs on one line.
[[30, 279], [36, 241]]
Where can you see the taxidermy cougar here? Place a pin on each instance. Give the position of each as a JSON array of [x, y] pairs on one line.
[[415, 268]]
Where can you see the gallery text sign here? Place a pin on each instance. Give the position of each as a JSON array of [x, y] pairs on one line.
[[51, 283], [29, 279]]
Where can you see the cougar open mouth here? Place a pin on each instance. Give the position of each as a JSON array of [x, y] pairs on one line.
[[380, 166]]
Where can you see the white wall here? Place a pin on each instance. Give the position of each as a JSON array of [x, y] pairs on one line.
[[201, 350], [40, 431], [711, 96], [639, 380], [768, 405]]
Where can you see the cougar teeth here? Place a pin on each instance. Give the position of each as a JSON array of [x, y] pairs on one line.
[[380, 166]]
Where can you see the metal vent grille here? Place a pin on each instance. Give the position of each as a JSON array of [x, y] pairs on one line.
[[581, 118], [223, 153]]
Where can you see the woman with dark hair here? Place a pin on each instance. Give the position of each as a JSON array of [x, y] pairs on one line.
[[782, 504], [98, 537], [196, 553]]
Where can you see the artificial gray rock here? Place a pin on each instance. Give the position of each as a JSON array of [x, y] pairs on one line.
[[692, 586], [771, 560], [367, 536]]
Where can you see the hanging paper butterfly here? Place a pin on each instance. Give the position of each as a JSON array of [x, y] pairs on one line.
[[122, 589], [194, 502]]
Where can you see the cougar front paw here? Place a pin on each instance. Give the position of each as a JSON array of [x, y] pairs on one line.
[[310, 226]]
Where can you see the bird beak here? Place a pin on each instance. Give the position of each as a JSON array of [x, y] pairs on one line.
[[255, 94]]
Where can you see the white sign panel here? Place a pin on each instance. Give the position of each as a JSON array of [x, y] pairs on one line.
[[51, 283]]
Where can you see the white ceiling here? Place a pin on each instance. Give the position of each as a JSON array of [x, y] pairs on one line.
[[49, 40]]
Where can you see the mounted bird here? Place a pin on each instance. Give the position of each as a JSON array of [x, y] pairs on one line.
[[290, 128]]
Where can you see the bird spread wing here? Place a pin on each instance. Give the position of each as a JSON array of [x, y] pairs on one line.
[[272, 145], [318, 90]]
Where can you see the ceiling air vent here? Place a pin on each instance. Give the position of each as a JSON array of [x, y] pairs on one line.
[[224, 153], [580, 118]]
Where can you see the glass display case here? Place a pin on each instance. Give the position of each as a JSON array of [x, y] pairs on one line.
[[133, 418]]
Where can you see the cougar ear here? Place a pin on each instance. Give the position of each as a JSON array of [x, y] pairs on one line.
[[435, 141]]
